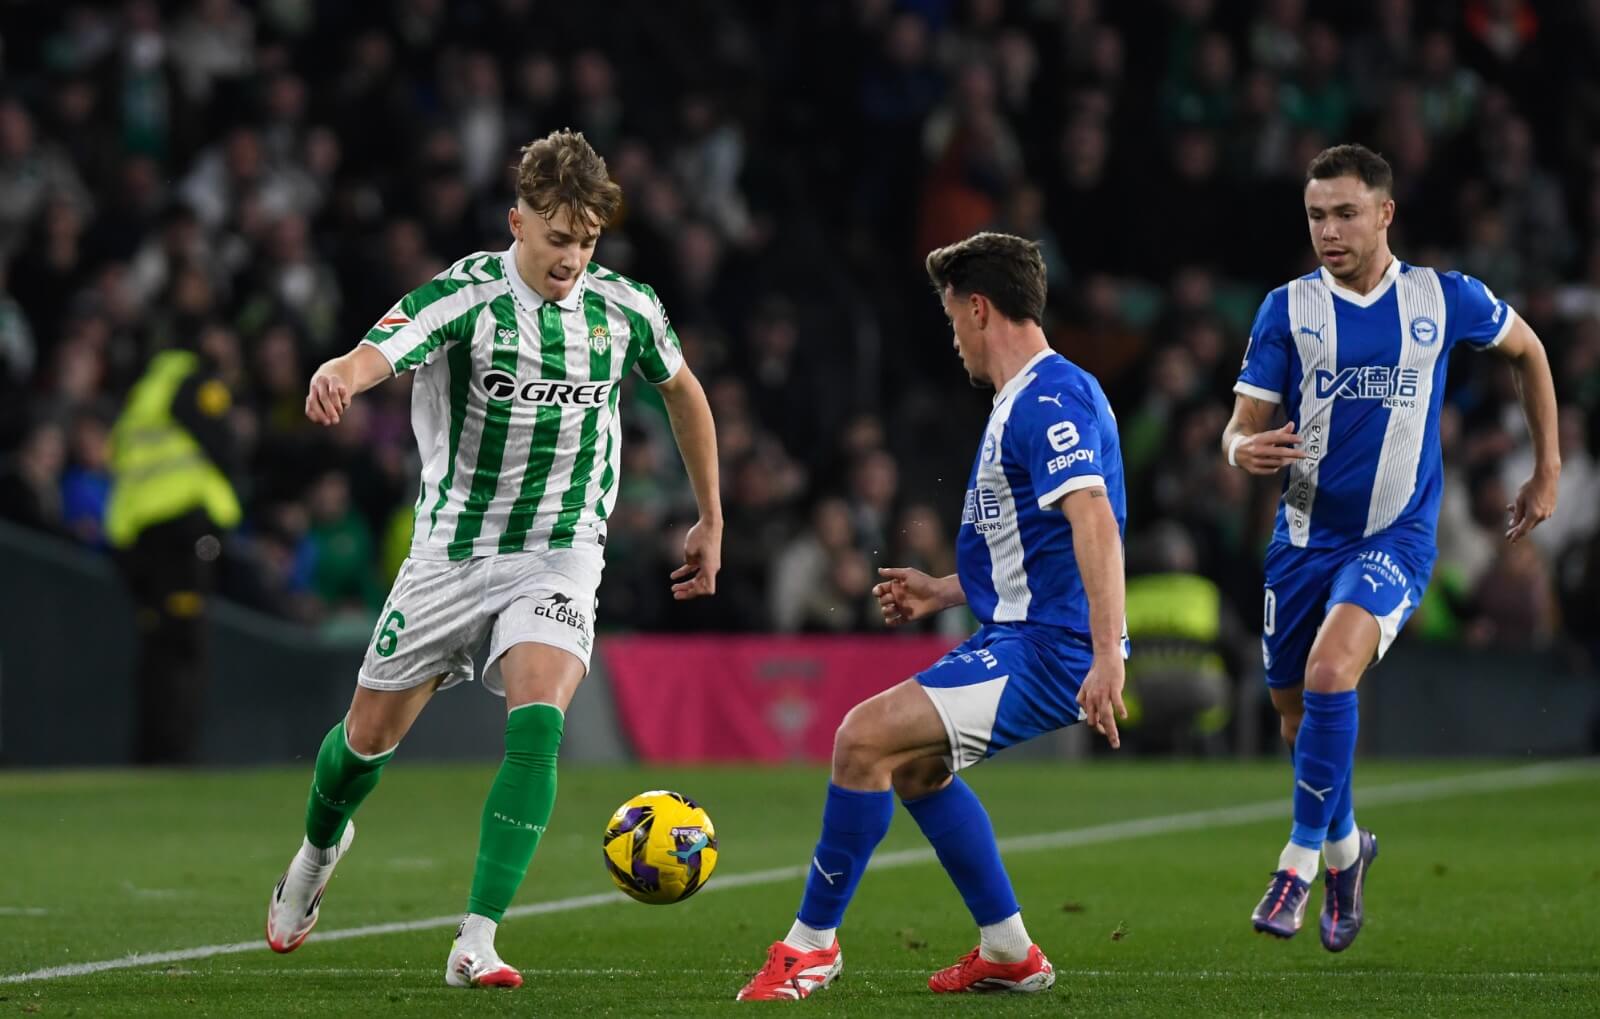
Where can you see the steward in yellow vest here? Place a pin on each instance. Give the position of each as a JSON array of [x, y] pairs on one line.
[[170, 502], [1179, 682]]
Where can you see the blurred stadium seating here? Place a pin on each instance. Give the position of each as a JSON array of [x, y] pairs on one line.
[[287, 169]]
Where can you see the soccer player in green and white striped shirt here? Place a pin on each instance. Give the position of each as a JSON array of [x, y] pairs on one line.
[[519, 358]]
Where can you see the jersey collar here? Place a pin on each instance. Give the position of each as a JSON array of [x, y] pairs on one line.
[[529, 297], [1369, 298], [1020, 379]]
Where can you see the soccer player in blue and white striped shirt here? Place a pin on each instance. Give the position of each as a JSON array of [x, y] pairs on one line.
[[1355, 354]]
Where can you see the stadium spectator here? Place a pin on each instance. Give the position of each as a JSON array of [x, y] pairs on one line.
[[286, 169], [30, 484]]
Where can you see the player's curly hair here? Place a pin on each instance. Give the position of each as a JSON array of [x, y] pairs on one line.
[[562, 170], [1007, 269]]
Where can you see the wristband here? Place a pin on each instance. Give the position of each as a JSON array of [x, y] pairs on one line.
[[1233, 450]]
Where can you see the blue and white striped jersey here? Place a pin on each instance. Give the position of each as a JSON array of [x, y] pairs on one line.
[[1362, 378], [1051, 433]]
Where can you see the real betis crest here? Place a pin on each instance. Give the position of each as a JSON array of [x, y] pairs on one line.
[[600, 339]]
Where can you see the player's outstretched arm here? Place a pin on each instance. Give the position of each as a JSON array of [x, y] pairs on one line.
[[906, 595], [339, 380], [696, 434], [1536, 499], [1097, 545], [1247, 442]]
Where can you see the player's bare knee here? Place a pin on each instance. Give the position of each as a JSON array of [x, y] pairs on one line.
[[1327, 675], [858, 753], [369, 738]]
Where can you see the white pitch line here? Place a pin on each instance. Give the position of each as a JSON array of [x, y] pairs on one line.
[[1172, 974], [1248, 813], [23, 911]]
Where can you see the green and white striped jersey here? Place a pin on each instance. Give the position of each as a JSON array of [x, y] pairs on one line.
[[515, 403]]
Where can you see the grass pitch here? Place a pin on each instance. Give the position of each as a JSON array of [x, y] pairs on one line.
[[1485, 900]]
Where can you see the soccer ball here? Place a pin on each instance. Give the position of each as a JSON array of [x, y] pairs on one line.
[[660, 847]]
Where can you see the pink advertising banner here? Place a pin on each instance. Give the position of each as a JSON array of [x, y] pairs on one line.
[[751, 698]]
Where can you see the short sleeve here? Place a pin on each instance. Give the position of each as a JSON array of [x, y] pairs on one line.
[[423, 325], [659, 355], [1061, 436], [1481, 320], [1265, 372]]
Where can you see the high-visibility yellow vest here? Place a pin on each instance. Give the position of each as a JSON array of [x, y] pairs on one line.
[[1181, 607], [159, 471], [1174, 622]]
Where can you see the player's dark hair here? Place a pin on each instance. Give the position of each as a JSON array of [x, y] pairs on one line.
[[1008, 270], [562, 170], [1352, 161]]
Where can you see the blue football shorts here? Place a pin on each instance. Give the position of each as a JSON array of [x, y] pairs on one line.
[[1004, 685], [1386, 574]]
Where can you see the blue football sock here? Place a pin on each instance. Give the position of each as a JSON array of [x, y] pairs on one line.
[[853, 823], [1344, 812], [1324, 754], [955, 822]]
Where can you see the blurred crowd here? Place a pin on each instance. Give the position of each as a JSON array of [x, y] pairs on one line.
[[265, 180]]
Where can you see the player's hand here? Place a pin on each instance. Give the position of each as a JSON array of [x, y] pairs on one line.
[[328, 399], [702, 558], [1536, 501], [1270, 452], [1100, 696], [907, 595]]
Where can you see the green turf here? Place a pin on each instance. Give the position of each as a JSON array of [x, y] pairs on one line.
[[1481, 904]]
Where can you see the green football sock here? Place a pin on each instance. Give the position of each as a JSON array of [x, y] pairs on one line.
[[342, 780], [518, 807]]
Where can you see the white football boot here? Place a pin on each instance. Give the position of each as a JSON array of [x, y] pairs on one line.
[[297, 899], [473, 961]]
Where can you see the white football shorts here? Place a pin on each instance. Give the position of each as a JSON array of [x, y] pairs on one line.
[[438, 613]]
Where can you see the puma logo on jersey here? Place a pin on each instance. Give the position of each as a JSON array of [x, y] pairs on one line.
[[1317, 332], [1056, 399], [1369, 578]]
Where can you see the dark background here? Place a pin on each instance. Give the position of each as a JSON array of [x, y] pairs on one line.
[[280, 173]]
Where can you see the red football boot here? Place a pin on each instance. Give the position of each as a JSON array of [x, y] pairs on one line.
[[975, 973], [790, 974]]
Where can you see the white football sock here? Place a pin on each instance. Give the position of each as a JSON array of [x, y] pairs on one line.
[[316, 856], [809, 939], [1006, 941], [1343, 854], [477, 929], [1299, 859]]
